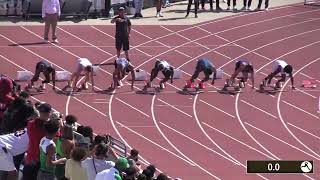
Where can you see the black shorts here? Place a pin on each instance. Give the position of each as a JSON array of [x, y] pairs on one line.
[[122, 43], [166, 73]]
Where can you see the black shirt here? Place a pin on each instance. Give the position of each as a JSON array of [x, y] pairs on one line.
[[122, 27], [47, 66]]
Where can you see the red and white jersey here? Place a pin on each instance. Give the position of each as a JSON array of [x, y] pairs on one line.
[[16, 143]]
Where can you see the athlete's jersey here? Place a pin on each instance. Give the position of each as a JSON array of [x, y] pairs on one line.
[[16, 143], [122, 63], [278, 63], [163, 64]]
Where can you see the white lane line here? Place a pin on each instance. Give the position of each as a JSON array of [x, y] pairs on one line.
[[77, 37], [303, 130], [309, 77], [200, 144], [154, 143], [183, 53], [184, 38], [103, 32], [163, 44], [300, 109], [175, 108], [204, 30], [250, 147], [132, 107], [292, 146], [259, 109], [143, 52], [142, 34], [167, 29], [217, 109]]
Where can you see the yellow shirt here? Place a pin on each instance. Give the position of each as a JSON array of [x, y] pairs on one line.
[[74, 171]]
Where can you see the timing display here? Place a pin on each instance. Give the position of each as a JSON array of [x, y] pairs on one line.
[[280, 166]]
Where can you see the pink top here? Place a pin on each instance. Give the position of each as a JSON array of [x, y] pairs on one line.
[[50, 7]]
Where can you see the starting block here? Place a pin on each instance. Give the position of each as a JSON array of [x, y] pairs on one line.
[[140, 75], [63, 76], [24, 75], [177, 74], [309, 84], [219, 74]]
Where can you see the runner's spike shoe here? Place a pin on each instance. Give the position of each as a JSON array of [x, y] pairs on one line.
[[202, 85], [162, 86], [189, 84]]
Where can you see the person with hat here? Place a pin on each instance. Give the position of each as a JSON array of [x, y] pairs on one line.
[[123, 29], [122, 68], [83, 65], [36, 131], [279, 66], [205, 66], [46, 68], [244, 67], [165, 68], [114, 173]]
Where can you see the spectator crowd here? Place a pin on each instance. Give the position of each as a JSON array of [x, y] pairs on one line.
[[42, 144]]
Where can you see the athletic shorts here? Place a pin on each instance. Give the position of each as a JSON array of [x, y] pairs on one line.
[[122, 43], [6, 161]]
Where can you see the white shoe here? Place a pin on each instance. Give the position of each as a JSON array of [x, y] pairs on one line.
[[267, 9], [162, 86], [234, 8], [55, 41], [43, 86], [85, 86], [159, 14], [120, 83]]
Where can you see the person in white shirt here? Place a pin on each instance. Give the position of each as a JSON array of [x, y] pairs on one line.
[[83, 65], [167, 71], [122, 68], [50, 13], [279, 66], [98, 162], [114, 173], [11, 145]]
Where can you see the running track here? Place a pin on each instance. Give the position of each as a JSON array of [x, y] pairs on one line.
[[205, 136]]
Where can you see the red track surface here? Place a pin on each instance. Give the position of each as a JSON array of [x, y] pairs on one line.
[[206, 136]]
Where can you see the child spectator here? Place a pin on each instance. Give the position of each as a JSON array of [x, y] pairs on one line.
[[74, 169]]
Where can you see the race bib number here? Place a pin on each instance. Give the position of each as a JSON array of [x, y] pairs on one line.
[[20, 133]]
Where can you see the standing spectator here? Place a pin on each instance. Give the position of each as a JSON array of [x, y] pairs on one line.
[[98, 162], [218, 8], [162, 176], [123, 28], [51, 13], [36, 131], [74, 169], [114, 173], [166, 3], [245, 3], [158, 6], [196, 5], [138, 6], [46, 68], [71, 121], [234, 4], [12, 145], [64, 146], [6, 97], [266, 5], [47, 156], [203, 2], [133, 158]]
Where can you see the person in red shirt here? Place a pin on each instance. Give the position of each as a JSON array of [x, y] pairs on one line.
[[36, 131], [6, 88]]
